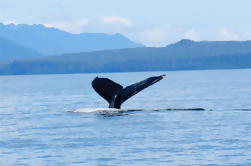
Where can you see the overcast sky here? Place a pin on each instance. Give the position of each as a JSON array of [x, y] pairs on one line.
[[151, 22]]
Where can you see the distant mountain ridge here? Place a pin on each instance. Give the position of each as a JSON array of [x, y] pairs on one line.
[[183, 55], [191, 47], [10, 50], [51, 41]]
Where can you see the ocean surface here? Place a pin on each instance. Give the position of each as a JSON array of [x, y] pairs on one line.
[[59, 120]]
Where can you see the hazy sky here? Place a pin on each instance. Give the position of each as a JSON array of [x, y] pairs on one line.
[[151, 22]]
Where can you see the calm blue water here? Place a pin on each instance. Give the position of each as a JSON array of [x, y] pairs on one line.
[[39, 124]]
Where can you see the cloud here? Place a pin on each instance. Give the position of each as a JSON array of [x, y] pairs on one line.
[[227, 34], [155, 35], [105, 24], [192, 35], [248, 36], [75, 27], [116, 20], [9, 22]]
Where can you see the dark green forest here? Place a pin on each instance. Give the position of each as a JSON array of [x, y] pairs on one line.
[[183, 55]]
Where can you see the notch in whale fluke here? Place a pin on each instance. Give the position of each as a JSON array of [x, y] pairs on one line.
[[115, 94]]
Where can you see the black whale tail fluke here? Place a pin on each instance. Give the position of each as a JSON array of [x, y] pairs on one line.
[[115, 94], [106, 88]]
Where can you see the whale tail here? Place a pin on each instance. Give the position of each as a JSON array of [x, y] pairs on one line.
[[115, 94], [106, 88]]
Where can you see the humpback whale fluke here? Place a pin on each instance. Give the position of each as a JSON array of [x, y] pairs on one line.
[[115, 94]]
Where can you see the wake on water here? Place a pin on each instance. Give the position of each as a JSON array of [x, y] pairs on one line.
[[101, 111], [114, 111], [118, 112]]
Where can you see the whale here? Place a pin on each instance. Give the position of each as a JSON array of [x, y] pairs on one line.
[[115, 94]]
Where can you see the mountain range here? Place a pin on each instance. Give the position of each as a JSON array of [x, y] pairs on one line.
[[52, 41], [183, 55], [10, 50]]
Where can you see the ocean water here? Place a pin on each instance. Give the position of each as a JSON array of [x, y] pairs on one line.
[[59, 120]]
